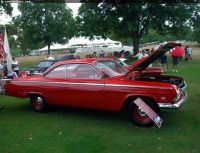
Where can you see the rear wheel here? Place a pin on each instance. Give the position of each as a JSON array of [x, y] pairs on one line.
[[38, 103], [139, 117]]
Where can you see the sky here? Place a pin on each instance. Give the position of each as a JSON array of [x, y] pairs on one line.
[[5, 18]]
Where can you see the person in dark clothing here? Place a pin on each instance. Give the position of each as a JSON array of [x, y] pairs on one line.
[[175, 60], [163, 62]]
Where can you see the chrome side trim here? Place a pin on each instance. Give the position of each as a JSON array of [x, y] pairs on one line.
[[96, 84], [177, 105]]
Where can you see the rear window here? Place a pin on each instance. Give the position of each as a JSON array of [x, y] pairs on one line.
[[45, 64]]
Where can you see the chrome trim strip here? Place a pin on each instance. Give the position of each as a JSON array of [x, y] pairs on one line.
[[177, 105], [111, 85], [134, 86]]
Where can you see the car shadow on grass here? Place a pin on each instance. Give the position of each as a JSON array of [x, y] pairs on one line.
[[92, 114]]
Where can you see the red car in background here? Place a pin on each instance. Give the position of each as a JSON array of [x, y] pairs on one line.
[[137, 71], [104, 84]]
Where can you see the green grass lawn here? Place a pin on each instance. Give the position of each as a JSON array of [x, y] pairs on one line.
[[76, 130]]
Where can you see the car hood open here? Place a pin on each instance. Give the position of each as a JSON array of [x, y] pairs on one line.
[[144, 62]]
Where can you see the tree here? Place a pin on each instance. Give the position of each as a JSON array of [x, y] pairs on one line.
[[131, 20], [196, 31], [196, 25], [5, 7], [152, 36], [45, 23]]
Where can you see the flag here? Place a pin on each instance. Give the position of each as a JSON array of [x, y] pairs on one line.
[[2, 51], [7, 51]]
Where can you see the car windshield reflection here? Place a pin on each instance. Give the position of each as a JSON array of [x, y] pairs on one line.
[[110, 67]]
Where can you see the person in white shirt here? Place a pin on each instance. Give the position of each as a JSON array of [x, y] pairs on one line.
[[16, 68], [12, 75], [139, 55], [144, 54], [49, 58]]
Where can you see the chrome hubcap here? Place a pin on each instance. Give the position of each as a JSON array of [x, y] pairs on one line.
[[141, 112], [39, 101]]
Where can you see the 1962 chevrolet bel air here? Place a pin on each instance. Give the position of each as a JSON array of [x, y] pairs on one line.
[[104, 84]]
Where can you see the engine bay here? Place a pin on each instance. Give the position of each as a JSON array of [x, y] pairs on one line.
[[166, 79]]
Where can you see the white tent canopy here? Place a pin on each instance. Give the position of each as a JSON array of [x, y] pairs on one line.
[[84, 42]]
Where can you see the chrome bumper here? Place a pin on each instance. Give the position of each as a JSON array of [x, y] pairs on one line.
[[177, 105]]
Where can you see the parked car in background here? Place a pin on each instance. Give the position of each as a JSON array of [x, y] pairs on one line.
[[147, 70], [101, 83], [34, 53], [39, 68], [43, 65]]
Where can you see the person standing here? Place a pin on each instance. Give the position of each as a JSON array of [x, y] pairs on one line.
[[49, 58], [186, 57], [12, 75], [101, 54], [163, 62], [139, 55], [175, 60], [56, 57], [16, 68], [152, 50], [144, 54], [189, 53]]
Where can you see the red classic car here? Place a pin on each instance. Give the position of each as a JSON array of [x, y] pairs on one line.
[[104, 84]]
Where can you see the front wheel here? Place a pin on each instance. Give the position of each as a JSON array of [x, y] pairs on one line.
[[139, 117], [38, 103]]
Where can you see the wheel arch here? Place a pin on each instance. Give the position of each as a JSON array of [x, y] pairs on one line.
[[130, 99], [34, 93]]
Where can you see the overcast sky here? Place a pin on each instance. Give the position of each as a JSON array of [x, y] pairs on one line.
[[5, 18]]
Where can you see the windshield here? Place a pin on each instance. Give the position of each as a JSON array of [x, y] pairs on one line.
[[121, 62], [110, 67]]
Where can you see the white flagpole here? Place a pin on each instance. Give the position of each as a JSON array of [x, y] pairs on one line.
[[7, 50]]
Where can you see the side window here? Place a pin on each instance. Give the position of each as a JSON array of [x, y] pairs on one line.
[[86, 71], [57, 72], [76, 71]]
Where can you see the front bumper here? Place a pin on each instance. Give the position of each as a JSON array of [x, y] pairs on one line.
[[177, 104]]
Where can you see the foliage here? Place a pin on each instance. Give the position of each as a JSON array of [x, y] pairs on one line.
[[152, 36], [5, 7], [132, 20], [44, 23], [196, 26]]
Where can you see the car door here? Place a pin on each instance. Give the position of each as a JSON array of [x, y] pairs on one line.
[[83, 86], [52, 83]]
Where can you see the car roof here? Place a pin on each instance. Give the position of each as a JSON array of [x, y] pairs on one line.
[[48, 61], [85, 60]]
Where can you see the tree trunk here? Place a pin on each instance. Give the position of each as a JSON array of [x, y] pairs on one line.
[[24, 52], [24, 49], [136, 45], [48, 49]]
